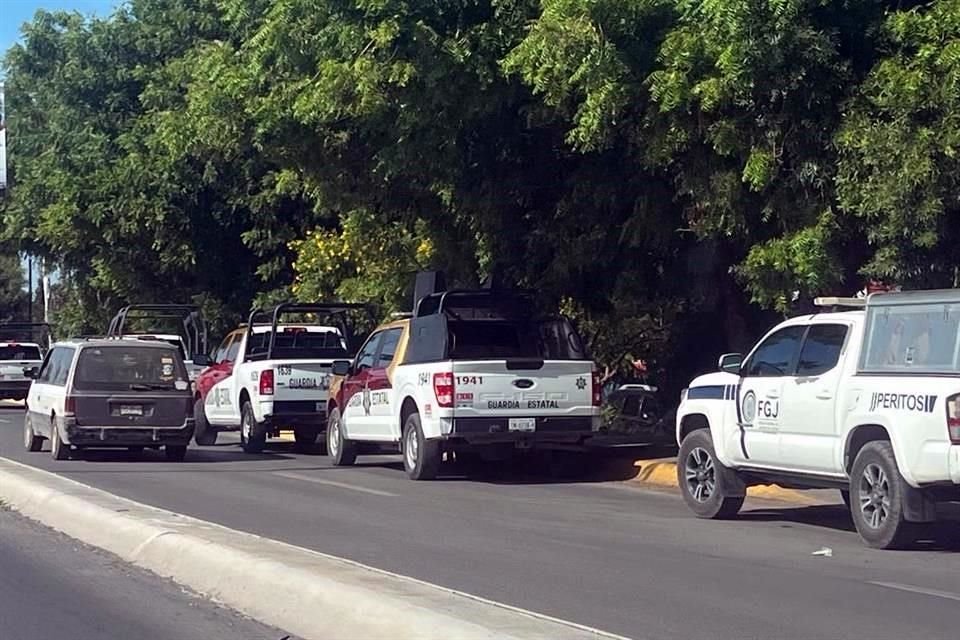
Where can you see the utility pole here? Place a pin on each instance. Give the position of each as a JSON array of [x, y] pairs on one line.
[[29, 288]]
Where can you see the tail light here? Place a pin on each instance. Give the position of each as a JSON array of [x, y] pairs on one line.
[[266, 382], [443, 388], [597, 389], [70, 406], [953, 418]]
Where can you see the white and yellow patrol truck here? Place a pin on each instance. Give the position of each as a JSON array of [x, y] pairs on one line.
[[469, 371], [865, 400], [273, 375]]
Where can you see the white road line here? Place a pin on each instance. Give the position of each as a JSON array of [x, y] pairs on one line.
[[920, 590], [334, 483]]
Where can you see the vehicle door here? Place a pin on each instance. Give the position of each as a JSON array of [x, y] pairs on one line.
[[383, 412], [809, 430], [52, 387], [356, 396], [38, 398], [215, 383], [760, 409]]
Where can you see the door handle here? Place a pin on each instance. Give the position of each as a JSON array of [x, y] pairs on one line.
[[773, 395], [825, 395]]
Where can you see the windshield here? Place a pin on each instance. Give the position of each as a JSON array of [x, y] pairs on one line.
[[129, 369], [20, 352]]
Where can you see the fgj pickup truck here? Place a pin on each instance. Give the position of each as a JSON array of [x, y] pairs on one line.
[[18, 352], [866, 401], [269, 376], [471, 370]]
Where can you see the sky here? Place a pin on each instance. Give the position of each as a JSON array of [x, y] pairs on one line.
[[14, 13]]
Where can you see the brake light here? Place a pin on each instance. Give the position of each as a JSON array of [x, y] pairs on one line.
[[443, 388], [597, 389], [70, 406], [266, 382], [953, 418]]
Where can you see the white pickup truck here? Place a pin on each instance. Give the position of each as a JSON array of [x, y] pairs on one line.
[[865, 401], [14, 358], [470, 371], [265, 377]]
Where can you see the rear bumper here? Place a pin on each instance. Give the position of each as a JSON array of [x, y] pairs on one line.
[[295, 413], [126, 436], [10, 388], [553, 430]]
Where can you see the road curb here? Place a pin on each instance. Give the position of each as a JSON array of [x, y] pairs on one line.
[[662, 472], [309, 594]]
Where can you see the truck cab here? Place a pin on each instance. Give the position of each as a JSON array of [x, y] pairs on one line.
[[860, 400]]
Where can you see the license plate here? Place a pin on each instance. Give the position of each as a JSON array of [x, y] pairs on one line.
[[320, 407], [522, 424], [131, 410]]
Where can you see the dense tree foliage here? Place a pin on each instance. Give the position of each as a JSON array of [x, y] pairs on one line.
[[648, 166]]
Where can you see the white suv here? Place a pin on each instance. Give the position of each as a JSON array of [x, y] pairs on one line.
[[865, 401]]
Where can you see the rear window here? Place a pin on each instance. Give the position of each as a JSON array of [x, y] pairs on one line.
[[20, 352], [296, 344], [129, 369], [915, 338], [495, 340]]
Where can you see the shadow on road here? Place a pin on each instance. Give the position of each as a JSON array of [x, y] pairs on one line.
[[194, 456]]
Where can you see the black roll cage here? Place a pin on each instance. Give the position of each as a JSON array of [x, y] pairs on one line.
[[195, 329], [272, 317]]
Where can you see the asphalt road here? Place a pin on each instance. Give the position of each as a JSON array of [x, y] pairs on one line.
[[52, 587], [604, 554]]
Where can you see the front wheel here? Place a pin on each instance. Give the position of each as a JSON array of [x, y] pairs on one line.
[[253, 435], [698, 472], [203, 432], [31, 441], [876, 491], [342, 452], [421, 457]]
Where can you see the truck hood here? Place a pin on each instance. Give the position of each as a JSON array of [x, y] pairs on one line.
[[717, 378]]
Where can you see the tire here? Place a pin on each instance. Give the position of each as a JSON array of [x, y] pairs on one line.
[[253, 434], [697, 472], [306, 439], [204, 433], [175, 453], [421, 457], [31, 441], [342, 452], [876, 491], [59, 450]]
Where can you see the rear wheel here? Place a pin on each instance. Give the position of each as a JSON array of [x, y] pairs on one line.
[[31, 441], [698, 472], [59, 450], [175, 453], [342, 452], [421, 457], [203, 432], [253, 435], [876, 491]]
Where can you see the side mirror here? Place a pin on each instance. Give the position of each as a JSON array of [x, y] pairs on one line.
[[32, 372], [341, 367], [202, 360], [730, 362]]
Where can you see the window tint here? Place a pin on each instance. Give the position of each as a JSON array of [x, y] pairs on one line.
[[129, 368], [57, 367], [367, 355], [821, 349], [20, 352], [776, 355], [388, 349], [234, 349], [293, 343], [221, 354], [631, 406]]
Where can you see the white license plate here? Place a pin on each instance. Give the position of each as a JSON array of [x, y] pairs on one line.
[[131, 410], [320, 407], [522, 424]]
